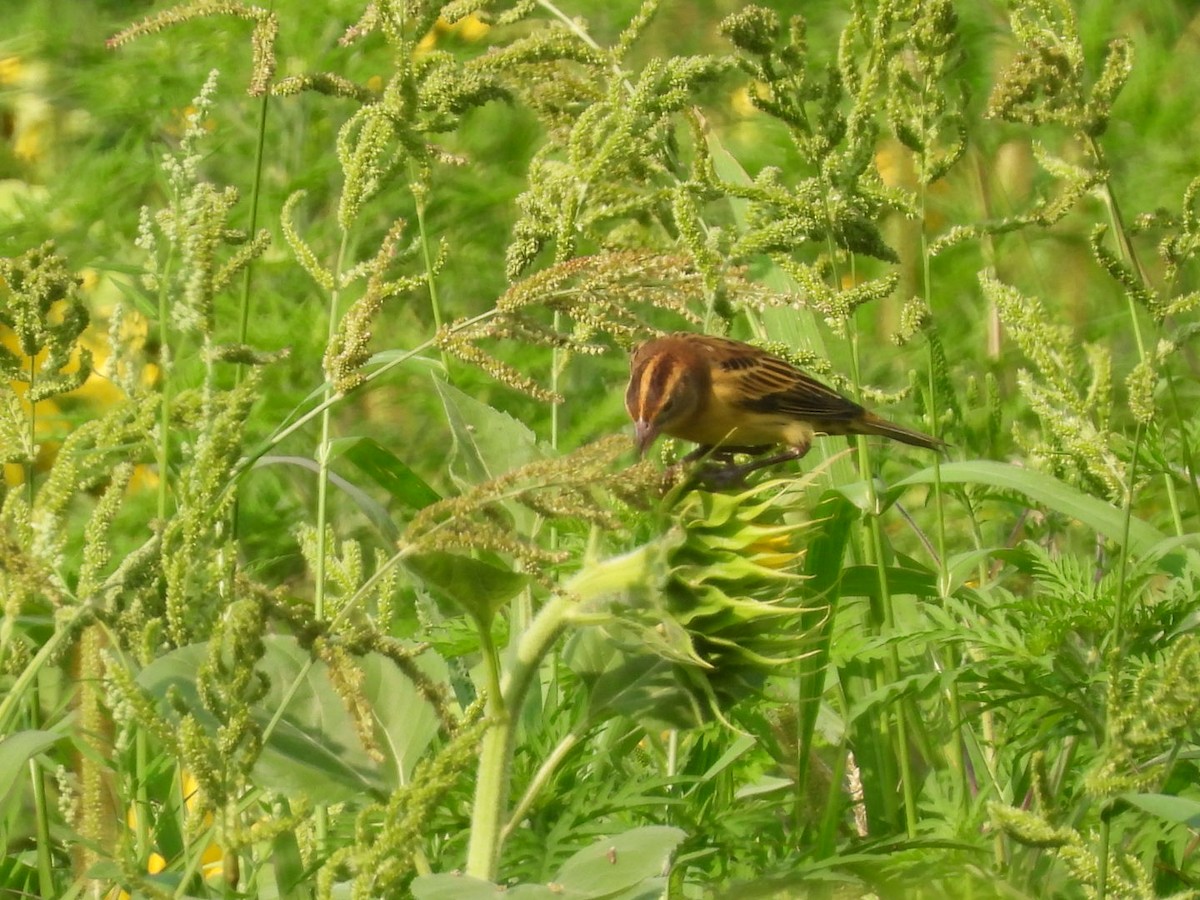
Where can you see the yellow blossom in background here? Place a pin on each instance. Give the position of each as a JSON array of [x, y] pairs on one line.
[[746, 119], [32, 105], [181, 121], [211, 860], [10, 70], [897, 168], [895, 165], [31, 112], [98, 392], [48, 419], [468, 28], [742, 104]]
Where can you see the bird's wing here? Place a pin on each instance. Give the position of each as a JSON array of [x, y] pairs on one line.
[[755, 380]]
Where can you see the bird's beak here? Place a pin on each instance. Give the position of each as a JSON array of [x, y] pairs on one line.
[[644, 434]]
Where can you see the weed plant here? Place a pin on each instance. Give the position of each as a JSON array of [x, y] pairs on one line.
[[327, 567]]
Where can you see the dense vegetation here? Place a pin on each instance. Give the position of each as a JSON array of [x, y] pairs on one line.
[[327, 565]]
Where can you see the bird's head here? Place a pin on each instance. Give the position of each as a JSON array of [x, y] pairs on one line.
[[666, 388]]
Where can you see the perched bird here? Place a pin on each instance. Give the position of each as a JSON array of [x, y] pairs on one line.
[[729, 397]]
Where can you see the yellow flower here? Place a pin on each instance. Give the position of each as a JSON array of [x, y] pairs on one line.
[[468, 28], [11, 70], [97, 392], [211, 859]]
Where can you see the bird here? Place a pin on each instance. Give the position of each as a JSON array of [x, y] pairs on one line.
[[731, 397]]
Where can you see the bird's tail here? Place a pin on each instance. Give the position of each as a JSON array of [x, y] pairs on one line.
[[873, 424]]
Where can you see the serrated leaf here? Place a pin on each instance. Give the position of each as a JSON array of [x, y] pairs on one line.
[[620, 862], [478, 588], [487, 442], [314, 748]]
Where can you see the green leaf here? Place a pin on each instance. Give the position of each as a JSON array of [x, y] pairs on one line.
[[287, 866], [765, 786], [639, 687], [863, 581], [886, 697], [16, 751], [454, 887], [386, 357], [1169, 808], [478, 588], [371, 508], [407, 724], [1048, 492], [741, 745], [487, 442], [541, 892], [823, 565], [314, 748], [386, 470], [19, 877], [620, 862]]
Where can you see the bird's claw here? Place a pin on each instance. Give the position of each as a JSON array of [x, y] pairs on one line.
[[721, 478]]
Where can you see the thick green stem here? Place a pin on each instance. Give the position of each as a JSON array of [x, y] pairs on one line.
[[495, 758], [958, 752]]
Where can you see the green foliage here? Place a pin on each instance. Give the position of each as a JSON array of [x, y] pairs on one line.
[[46, 315], [326, 573]]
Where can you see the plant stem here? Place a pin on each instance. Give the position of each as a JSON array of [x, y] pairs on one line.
[[540, 779], [25, 682], [45, 862], [884, 623], [958, 755], [435, 305], [495, 755], [31, 463], [321, 814], [141, 751], [323, 448], [255, 196], [41, 811]]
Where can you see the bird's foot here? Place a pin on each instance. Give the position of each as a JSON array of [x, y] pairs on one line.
[[720, 478], [730, 475]]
